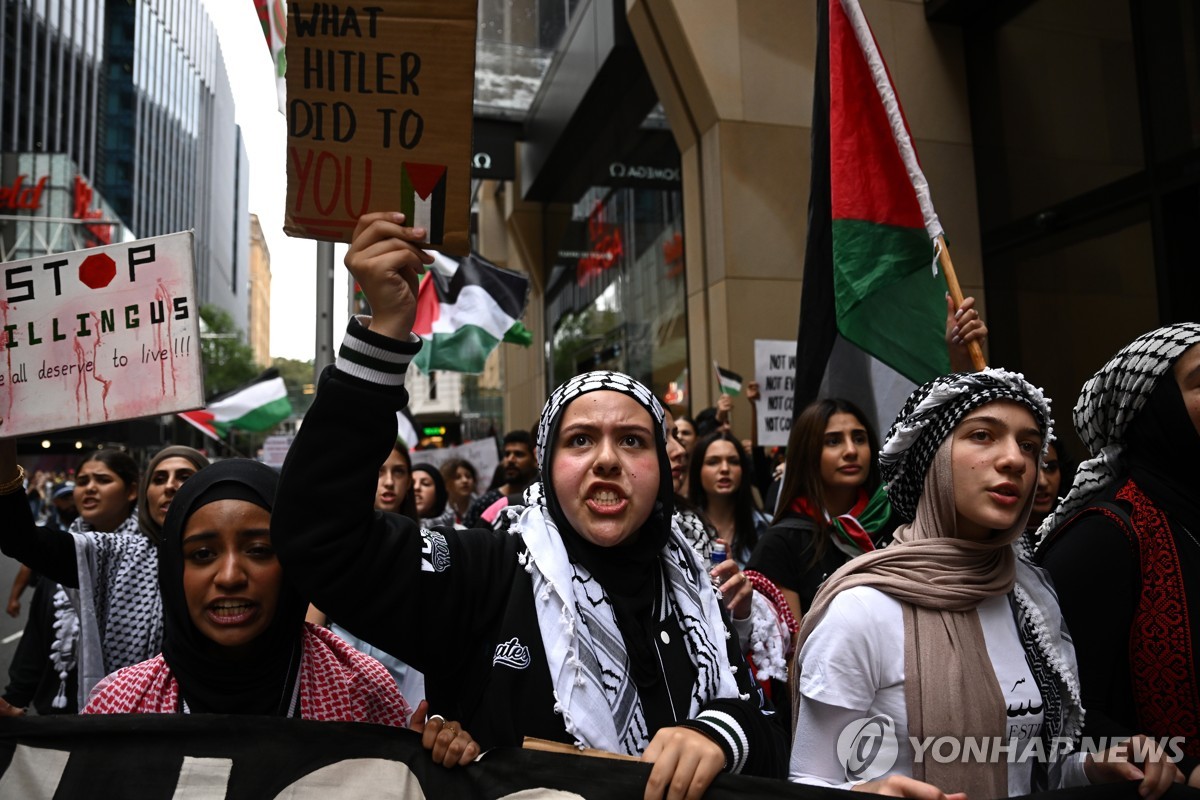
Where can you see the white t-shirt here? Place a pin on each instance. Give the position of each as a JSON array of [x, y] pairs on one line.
[[853, 669]]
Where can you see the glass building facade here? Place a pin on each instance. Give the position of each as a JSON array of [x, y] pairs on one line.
[[136, 95]]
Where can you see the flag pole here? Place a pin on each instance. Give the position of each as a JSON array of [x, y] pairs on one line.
[[956, 295]]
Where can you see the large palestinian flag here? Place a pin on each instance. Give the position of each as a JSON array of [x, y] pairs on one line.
[[873, 310], [464, 309]]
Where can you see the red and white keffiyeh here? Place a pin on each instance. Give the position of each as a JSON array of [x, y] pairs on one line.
[[337, 684]]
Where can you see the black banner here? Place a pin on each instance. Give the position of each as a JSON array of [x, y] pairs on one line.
[[159, 757]]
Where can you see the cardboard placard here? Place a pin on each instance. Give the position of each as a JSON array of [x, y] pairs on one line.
[[481, 454], [99, 335], [775, 371], [275, 449], [379, 108]]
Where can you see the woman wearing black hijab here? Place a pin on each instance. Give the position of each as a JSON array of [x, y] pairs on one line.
[[1124, 545], [430, 496], [589, 623]]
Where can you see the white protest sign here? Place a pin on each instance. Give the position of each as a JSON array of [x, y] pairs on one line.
[[275, 450], [775, 371], [99, 335], [481, 454]]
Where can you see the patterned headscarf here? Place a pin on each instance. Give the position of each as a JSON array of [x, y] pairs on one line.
[[1108, 404], [929, 415], [594, 603]]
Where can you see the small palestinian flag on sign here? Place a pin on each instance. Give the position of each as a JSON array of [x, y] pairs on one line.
[[423, 198], [729, 381]]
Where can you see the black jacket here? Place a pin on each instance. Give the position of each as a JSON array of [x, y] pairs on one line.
[[457, 605]]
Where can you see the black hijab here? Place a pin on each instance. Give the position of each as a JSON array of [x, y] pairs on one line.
[[439, 488], [1163, 452], [629, 572], [257, 679]]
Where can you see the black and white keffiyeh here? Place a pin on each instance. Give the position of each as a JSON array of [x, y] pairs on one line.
[[589, 666], [595, 381], [932, 411], [589, 659], [1110, 401], [114, 618]]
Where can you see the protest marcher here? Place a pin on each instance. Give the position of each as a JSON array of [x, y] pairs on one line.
[[685, 428], [32, 679], [107, 608], [461, 478], [163, 477], [234, 638], [831, 506], [393, 484], [62, 506], [719, 485], [520, 469], [947, 632], [760, 614], [1057, 470], [514, 631], [1122, 546], [429, 494]]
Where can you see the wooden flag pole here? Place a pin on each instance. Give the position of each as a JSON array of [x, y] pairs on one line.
[[956, 294], [547, 746]]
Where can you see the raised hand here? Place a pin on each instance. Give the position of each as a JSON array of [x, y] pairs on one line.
[[387, 263]]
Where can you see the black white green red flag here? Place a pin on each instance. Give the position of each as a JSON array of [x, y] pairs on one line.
[[873, 308], [257, 406], [465, 308]]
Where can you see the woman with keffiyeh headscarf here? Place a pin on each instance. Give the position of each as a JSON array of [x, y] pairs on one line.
[[106, 609], [589, 622], [947, 633], [1124, 546]]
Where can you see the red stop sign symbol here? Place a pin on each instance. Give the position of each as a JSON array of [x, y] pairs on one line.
[[98, 270]]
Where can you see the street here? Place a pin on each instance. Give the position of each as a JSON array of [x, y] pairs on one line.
[[10, 628]]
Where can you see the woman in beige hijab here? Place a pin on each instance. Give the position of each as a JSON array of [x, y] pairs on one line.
[[940, 664]]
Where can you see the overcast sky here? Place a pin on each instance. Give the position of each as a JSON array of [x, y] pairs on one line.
[[293, 261]]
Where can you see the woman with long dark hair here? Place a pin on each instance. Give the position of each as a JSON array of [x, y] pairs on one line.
[[719, 485], [830, 507]]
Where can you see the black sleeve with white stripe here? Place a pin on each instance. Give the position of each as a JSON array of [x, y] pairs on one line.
[[373, 358], [752, 736]]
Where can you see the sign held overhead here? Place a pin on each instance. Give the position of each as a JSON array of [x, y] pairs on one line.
[[379, 116]]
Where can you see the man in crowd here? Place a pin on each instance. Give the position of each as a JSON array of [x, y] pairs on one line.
[[520, 471]]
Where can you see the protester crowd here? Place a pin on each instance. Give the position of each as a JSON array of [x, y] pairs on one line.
[[638, 580]]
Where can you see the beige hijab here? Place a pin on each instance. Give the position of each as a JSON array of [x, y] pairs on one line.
[[949, 682]]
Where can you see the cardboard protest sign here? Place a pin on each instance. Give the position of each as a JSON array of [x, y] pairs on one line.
[[275, 449], [775, 371], [99, 335], [379, 115], [481, 454]]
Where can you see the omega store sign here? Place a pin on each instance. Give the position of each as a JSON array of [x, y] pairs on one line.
[[46, 206]]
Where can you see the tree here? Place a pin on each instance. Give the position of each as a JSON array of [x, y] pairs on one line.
[[228, 360], [298, 377]]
